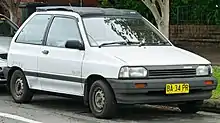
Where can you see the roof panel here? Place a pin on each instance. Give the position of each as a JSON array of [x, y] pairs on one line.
[[91, 11]]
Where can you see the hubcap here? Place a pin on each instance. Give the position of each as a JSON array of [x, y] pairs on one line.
[[19, 87], [99, 100]]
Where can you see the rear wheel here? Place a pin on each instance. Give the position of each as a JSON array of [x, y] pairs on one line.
[[190, 107], [101, 100], [19, 88]]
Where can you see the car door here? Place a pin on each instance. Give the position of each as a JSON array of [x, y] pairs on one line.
[[60, 67], [25, 49]]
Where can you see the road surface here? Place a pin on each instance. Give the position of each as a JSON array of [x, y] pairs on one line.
[[52, 109]]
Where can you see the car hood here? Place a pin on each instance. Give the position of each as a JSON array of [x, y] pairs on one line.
[[154, 55]]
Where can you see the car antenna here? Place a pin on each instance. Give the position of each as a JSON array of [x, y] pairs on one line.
[[71, 7]]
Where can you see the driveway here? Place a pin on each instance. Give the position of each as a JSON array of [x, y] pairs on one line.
[[52, 109]]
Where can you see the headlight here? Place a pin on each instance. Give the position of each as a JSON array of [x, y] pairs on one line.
[[203, 70], [132, 72]]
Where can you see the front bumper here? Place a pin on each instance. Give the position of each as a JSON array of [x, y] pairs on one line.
[[6, 71], [126, 93]]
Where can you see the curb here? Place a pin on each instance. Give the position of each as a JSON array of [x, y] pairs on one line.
[[212, 105]]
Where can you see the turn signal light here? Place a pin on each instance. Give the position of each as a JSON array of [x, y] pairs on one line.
[[209, 82], [140, 85]]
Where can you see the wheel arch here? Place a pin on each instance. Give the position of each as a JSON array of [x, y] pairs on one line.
[[88, 83], [10, 72]]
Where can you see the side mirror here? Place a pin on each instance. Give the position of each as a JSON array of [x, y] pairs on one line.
[[74, 44]]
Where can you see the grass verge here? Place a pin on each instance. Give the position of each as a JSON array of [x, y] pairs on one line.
[[216, 93]]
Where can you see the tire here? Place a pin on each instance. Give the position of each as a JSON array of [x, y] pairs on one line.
[[107, 107], [19, 88], [190, 107]]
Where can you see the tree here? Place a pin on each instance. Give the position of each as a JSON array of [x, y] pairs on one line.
[[161, 11], [12, 7]]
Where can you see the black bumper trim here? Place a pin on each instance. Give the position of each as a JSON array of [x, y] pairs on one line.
[[5, 72], [126, 93]]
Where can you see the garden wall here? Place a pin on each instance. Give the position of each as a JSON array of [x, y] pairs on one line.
[[195, 35]]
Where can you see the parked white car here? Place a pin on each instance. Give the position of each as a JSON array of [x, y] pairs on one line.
[[108, 57], [7, 31]]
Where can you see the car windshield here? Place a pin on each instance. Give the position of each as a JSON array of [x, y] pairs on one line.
[[115, 30], [7, 31]]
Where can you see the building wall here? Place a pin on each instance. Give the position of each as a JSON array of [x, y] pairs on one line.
[[27, 0], [196, 33], [62, 1], [192, 36], [86, 2], [91, 2]]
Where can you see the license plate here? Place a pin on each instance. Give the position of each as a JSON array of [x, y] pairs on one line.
[[177, 88]]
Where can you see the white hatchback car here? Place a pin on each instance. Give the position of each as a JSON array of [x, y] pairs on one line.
[[108, 57]]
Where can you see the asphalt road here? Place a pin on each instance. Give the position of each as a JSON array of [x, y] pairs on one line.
[[52, 109]]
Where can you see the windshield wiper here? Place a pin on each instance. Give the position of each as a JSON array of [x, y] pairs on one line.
[[121, 43], [132, 42], [153, 44]]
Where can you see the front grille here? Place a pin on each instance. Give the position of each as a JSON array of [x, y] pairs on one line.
[[172, 73]]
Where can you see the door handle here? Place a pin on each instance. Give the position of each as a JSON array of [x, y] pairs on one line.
[[45, 52]]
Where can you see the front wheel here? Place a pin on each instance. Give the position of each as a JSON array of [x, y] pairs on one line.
[[190, 107], [102, 102], [19, 88]]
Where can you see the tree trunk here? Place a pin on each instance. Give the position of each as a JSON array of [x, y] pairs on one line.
[[13, 16], [162, 19], [166, 18], [164, 28]]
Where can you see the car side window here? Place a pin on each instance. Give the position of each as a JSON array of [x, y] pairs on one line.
[[33, 32], [62, 30]]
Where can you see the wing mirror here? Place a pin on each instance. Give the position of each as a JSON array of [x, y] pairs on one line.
[[74, 44]]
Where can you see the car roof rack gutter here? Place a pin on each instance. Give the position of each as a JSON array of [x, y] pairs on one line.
[[53, 8], [90, 11]]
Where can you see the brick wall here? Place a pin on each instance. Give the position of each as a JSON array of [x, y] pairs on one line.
[[27, 0], [90, 2], [195, 36], [205, 33], [62, 1]]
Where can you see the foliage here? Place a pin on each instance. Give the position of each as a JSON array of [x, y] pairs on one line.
[[216, 93], [195, 12]]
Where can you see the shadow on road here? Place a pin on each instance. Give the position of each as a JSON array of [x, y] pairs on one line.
[[125, 113], [70, 106], [3, 91]]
